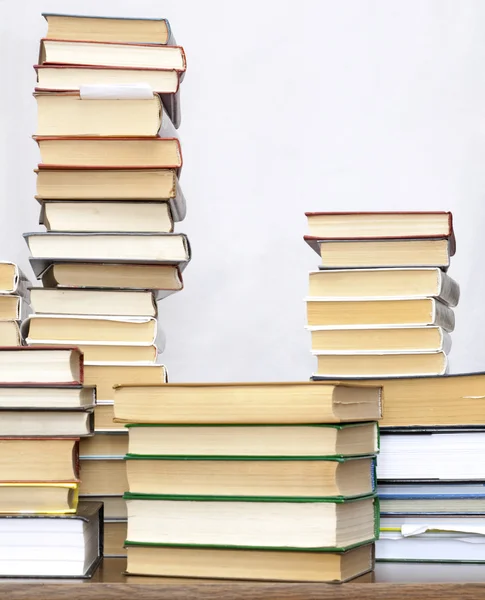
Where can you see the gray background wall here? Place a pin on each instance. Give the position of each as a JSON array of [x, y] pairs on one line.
[[287, 106]]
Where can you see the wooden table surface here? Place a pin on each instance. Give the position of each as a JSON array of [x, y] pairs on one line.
[[390, 581]]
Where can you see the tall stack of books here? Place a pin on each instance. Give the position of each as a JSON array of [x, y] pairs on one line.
[[108, 108], [380, 303], [251, 481], [45, 411], [14, 303]]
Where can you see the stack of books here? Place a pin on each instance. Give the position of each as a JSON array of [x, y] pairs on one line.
[[380, 303], [251, 481], [45, 411], [109, 194], [14, 303]]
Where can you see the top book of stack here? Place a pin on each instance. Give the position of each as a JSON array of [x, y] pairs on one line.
[[382, 239]]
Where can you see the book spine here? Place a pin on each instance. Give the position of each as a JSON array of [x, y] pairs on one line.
[[448, 289], [445, 341], [443, 316]]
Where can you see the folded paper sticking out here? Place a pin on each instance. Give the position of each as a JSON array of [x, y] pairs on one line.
[[408, 530], [129, 91]]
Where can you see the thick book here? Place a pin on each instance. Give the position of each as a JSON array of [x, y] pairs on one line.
[[18, 396], [46, 498], [13, 308], [225, 563], [161, 279], [434, 498], [113, 185], [80, 301], [161, 248], [91, 329], [348, 225], [348, 439], [310, 524], [12, 279], [10, 333], [122, 152], [39, 459], [72, 114], [433, 401], [379, 313], [101, 476], [380, 365], [264, 476], [112, 54], [56, 546], [431, 538], [104, 377], [373, 284], [37, 366], [432, 456], [27, 422], [125, 216], [245, 403], [129, 30], [375, 340], [383, 252], [104, 444], [116, 355]]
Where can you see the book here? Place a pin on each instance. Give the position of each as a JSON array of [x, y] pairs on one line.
[[104, 377], [162, 279], [261, 476], [39, 459], [245, 403], [100, 476], [125, 152], [38, 545], [46, 422], [436, 498], [10, 333], [114, 355], [103, 418], [12, 279], [261, 523], [430, 538], [170, 248], [114, 506], [112, 185], [28, 396], [137, 217], [374, 340], [355, 254], [47, 498], [80, 301], [72, 114], [92, 329], [441, 401], [108, 29], [114, 537], [345, 225], [373, 284], [12, 308], [284, 565], [104, 444], [349, 439], [112, 54], [363, 313], [55, 78], [41, 365], [432, 456], [381, 365]]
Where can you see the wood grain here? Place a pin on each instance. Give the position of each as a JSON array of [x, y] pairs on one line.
[[109, 583]]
